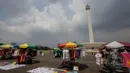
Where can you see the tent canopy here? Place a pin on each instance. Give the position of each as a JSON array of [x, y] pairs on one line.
[[114, 44], [125, 44]]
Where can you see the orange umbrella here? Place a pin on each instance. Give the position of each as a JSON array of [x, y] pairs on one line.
[[61, 45]]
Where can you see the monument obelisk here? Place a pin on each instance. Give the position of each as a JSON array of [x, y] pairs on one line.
[[91, 35]]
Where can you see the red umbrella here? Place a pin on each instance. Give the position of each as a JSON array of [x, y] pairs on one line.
[[61, 45]]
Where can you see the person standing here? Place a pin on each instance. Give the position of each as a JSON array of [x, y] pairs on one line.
[[92, 50], [99, 59], [42, 53], [66, 54]]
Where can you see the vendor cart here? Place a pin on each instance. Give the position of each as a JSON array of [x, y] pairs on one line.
[[6, 51], [27, 53], [6, 54], [27, 56], [71, 52]]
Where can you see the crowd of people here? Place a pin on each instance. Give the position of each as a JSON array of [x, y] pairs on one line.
[[114, 59]]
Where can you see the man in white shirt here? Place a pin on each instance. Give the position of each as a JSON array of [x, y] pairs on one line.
[[99, 59], [65, 54]]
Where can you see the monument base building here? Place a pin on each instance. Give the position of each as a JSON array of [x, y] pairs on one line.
[[95, 45]]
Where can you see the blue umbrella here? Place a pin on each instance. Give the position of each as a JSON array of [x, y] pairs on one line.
[[16, 45]]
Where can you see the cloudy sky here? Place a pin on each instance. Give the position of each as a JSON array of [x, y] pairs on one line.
[[48, 22]]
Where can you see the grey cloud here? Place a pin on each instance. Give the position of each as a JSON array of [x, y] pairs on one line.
[[53, 1], [8, 37], [116, 17], [110, 14], [108, 18], [12, 8], [44, 37], [40, 4]]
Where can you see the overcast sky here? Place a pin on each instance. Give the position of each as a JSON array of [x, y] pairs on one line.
[[48, 22]]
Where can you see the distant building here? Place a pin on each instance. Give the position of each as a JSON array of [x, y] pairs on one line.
[[95, 45]]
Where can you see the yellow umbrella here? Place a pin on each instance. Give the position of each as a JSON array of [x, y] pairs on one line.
[[7, 46], [55, 48], [23, 45], [70, 45]]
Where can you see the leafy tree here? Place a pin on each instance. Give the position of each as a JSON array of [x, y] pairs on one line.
[[1, 43]]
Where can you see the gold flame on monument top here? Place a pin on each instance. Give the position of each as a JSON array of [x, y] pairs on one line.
[[87, 7]]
